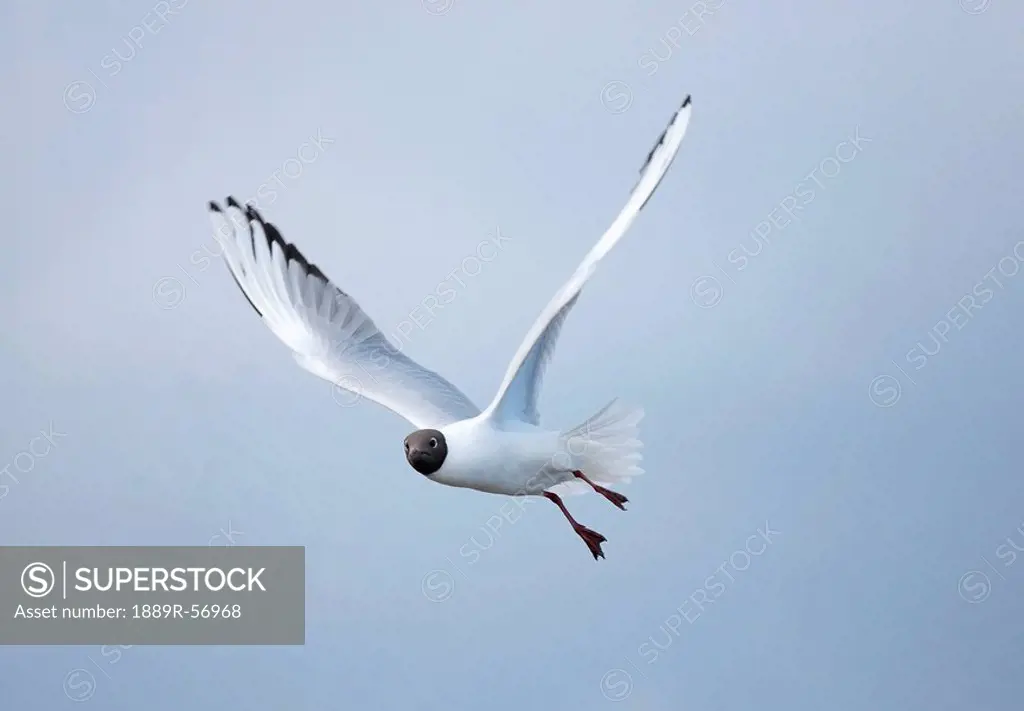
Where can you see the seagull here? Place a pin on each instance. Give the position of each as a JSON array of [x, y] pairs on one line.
[[502, 449]]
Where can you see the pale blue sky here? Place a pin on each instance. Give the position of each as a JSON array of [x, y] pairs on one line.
[[761, 378]]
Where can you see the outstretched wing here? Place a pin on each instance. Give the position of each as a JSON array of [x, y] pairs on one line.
[[329, 333], [517, 396]]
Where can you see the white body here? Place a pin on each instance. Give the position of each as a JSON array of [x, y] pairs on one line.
[[518, 461], [516, 458], [500, 450]]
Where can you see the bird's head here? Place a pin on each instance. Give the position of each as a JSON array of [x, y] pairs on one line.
[[426, 451]]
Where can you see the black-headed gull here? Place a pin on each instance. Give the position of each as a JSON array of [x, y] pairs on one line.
[[501, 450]]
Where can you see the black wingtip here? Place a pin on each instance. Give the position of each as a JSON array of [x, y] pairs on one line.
[[253, 214], [214, 207], [233, 203], [661, 138]]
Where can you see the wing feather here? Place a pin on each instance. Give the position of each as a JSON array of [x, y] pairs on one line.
[[327, 331], [517, 397]]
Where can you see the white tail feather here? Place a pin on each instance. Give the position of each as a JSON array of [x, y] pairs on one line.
[[606, 447]]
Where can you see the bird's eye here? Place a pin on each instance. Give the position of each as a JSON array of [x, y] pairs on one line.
[[433, 442]]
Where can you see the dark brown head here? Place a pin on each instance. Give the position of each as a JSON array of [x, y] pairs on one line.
[[426, 451]]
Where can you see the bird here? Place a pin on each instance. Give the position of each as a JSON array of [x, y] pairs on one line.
[[502, 449]]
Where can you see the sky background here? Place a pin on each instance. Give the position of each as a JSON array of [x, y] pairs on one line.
[[828, 386]]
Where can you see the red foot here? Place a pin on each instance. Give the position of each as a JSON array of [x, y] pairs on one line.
[[593, 539], [613, 496]]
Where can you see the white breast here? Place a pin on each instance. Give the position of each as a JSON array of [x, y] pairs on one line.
[[519, 461]]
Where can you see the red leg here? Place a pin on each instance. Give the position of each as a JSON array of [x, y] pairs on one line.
[[613, 496], [593, 539]]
